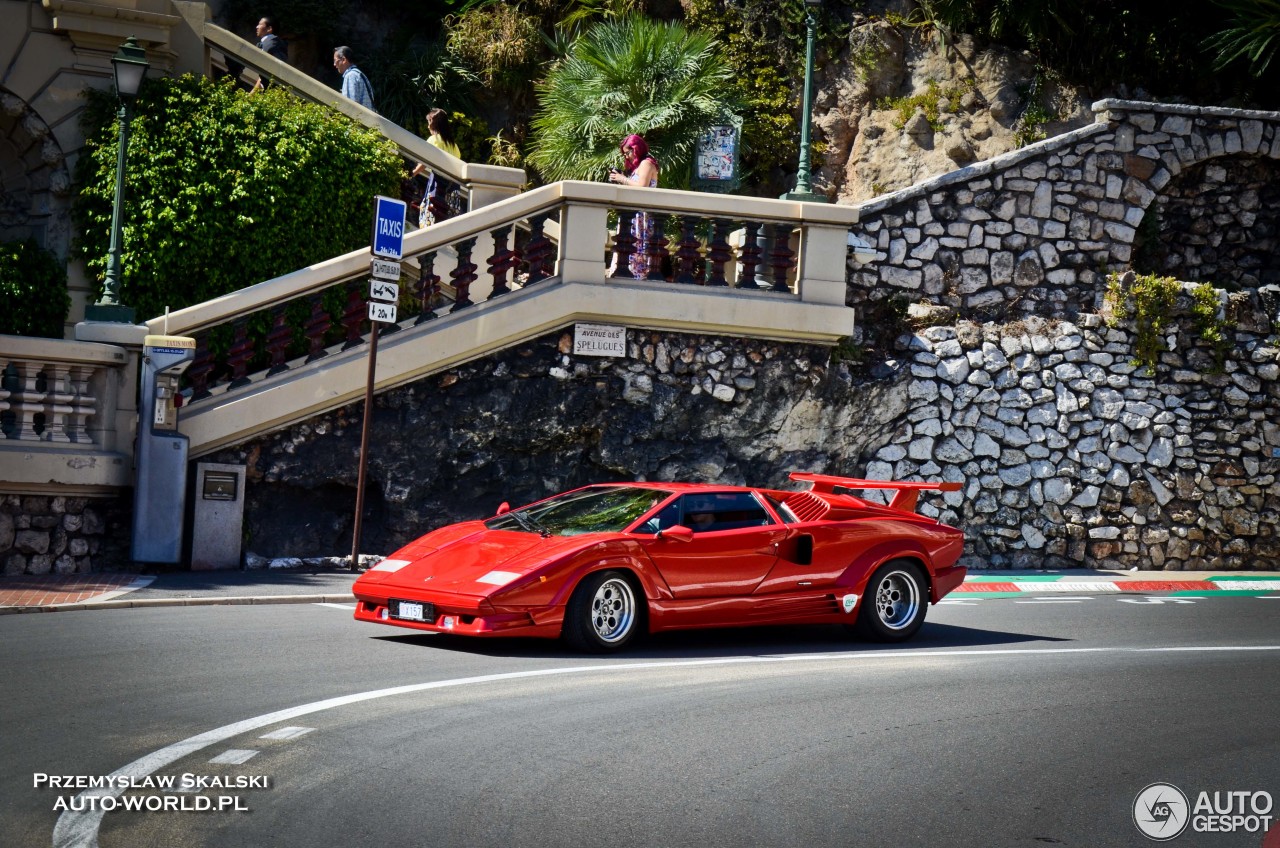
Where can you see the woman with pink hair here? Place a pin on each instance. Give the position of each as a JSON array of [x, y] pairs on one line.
[[639, 169]]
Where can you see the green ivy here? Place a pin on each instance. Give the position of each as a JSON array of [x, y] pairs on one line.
[[33, 288], [1150, 301], [1149, 304], [225, 189], [1214, 330]]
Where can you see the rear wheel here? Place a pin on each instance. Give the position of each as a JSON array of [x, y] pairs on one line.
[[895, 604], [603, 614]]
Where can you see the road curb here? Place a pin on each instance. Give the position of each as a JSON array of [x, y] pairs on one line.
[[987, 585], [254, 600]]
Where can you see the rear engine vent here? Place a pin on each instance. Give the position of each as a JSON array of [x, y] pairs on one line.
[[807, 506]]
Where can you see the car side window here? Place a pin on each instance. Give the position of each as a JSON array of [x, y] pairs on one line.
[[708, 512], [669, 516]]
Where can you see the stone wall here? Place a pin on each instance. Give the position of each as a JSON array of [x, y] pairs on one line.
[[534, 420], [1035, 231], [1071, 454], [1074, 456], [1218, 223], [62, 535]]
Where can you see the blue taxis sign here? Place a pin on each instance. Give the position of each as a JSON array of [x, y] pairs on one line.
[[388, 227]]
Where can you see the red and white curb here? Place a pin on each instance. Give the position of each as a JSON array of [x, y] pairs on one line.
[[985, 585]]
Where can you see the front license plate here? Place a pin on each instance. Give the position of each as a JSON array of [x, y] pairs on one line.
[[412, 611]]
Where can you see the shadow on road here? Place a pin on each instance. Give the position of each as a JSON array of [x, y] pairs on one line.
[[730, 642]]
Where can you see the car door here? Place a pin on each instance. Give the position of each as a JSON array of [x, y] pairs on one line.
[[735, 544]]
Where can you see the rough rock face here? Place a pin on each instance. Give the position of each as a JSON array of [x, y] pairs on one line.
[[987, 102], [534, 420]]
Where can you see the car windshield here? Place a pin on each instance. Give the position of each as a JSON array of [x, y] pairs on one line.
[[597, 509]]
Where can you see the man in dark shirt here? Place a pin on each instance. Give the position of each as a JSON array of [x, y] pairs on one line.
[[273, 44]]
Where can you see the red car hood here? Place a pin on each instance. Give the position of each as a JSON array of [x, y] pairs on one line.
[[468, 559]]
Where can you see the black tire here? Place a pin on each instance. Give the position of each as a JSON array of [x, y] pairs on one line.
[[604, 613], [895, 604]]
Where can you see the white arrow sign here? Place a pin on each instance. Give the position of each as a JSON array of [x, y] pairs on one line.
[[382, 290], [382, 312]]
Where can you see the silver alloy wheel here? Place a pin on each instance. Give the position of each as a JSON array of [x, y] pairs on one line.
[[897, 599], [613, 610]]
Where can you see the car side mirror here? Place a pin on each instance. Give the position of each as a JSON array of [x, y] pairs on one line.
[[678, 533], [503, 508]]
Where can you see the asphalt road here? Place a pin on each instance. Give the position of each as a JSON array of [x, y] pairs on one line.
[[1007, 722]]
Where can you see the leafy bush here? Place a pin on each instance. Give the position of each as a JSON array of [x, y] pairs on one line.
[[33, 287], [764, 42], [225, 189], [500, 42], [630, 76], [415, 75]]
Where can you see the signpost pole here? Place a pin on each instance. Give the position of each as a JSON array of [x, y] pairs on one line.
[[364, 448], [386, 249]]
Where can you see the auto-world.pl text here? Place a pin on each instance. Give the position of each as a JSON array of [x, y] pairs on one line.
[[111, 787]]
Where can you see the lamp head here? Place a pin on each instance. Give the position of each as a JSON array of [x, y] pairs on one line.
[[130, 66]]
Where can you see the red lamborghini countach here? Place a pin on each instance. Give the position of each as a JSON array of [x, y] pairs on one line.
[[601, 564]]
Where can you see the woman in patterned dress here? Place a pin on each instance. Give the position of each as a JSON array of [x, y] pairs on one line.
[[640, 169]]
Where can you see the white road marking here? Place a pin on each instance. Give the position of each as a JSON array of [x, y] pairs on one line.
[[1053, 601], [1157, 600], [80, 829], [972, 603], [234, 757], [287, 733], [347, 607]]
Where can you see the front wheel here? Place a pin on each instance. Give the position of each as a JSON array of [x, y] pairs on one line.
[[603, 613], [895, 604]]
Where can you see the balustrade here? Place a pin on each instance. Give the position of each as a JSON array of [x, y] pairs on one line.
[[47, 401], [515, 244], [703, 252]]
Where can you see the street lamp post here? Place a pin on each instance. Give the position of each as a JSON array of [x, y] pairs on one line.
[[130, 66], [804, 190]]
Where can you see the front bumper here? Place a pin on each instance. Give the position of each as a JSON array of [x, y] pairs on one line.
[[542, 624]]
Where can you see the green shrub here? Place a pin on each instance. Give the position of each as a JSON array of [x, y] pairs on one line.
[[33, 287], [226, 189], [930, 102]]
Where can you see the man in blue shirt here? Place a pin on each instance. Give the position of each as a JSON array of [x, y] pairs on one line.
[[355, 85]]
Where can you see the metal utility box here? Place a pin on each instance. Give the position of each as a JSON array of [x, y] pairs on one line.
[[160, 484], [217, 526]]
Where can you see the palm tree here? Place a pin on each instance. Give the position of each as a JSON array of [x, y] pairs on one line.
[[1253, 34], [632, 75]]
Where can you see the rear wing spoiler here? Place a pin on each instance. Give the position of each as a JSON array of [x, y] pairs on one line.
[[905, 498]]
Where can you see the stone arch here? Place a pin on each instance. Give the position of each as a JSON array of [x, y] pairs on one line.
[[1217, 222], [35, 185]]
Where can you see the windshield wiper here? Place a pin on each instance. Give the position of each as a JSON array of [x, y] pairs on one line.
[[530, 524]]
